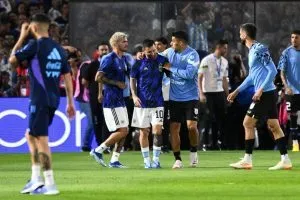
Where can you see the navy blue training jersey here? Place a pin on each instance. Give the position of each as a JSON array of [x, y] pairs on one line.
[[149, 74], [114, 68], [47, 61]]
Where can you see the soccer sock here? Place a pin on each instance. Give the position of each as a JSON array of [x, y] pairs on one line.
[[115, 157], [157, 143], [35, 172], [248, 157], [101, 148], [294, 129], [177, 155], [156, 153], [49, 178], [146, 156], [281, 144], [249, 144]]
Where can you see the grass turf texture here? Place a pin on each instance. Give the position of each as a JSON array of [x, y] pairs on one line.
[[78, 176]]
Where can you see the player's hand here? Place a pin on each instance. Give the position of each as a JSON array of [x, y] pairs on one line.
[[232, 96], [70, 111], [257, 95], [289, 91], [136, 101], [121, 85], [140, 55], [24, 30], [100, 98], [167, 66], [202, 98]]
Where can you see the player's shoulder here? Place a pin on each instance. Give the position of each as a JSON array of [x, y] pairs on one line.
[[108, 58], [288, 50], [161, 58], [260, 48]]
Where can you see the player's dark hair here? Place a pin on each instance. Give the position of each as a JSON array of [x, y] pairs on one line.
[[148, 43], [296, 31], [181, 35], [40, 18], [102, 43], [221, 43], [250, 30], [163, 40]]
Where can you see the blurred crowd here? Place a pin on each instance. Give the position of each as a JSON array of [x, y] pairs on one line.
[[12, 15]]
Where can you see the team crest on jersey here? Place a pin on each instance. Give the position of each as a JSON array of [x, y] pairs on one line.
[[145, 69], [196, 111]]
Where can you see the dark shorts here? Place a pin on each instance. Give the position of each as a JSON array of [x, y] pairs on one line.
[[183, 110], [40, 119], [266, 107], [292, 103]]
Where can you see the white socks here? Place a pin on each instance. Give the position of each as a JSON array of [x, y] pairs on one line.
[[115, 157], [35, 172], [248, 157], [101, 148], [146, 156], [49, 178]]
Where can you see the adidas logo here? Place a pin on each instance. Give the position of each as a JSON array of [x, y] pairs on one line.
[[54, 55]]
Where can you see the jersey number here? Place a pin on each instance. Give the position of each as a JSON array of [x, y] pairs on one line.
[[159, 114], [288, 106]]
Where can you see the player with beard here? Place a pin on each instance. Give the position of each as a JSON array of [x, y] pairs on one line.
[[112, 74], [262, 72], [146, 88], [289, 65]]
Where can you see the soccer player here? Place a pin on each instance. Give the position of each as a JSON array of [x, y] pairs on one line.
[[47, 62], [146, 88], [184, 62], [289, 65], [112, 74], [262, 72], [213, 89]]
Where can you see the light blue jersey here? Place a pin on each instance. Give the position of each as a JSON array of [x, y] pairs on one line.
[[290, 63], [184, 67], [262, 70]]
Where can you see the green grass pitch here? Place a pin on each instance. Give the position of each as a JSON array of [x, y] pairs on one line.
[[79, 177]]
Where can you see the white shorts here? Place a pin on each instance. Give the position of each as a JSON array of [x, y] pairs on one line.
[[116, 118], [144, 117]]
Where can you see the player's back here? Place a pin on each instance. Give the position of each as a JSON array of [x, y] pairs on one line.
[[260, 62], [47, 64]]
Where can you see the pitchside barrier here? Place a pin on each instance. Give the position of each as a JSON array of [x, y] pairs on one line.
[[64, 134]]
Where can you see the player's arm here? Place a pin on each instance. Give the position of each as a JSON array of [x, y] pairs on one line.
[[282, 67], [105, 68], [69, 94], [133, 84], [270, 66], [100, 92], [246, 83], [191, 68], [201, 71], [13, 60], [101, 78]]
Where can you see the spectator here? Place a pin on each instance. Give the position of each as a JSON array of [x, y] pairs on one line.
[[63, 20], [5, 89], [54, 12]]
